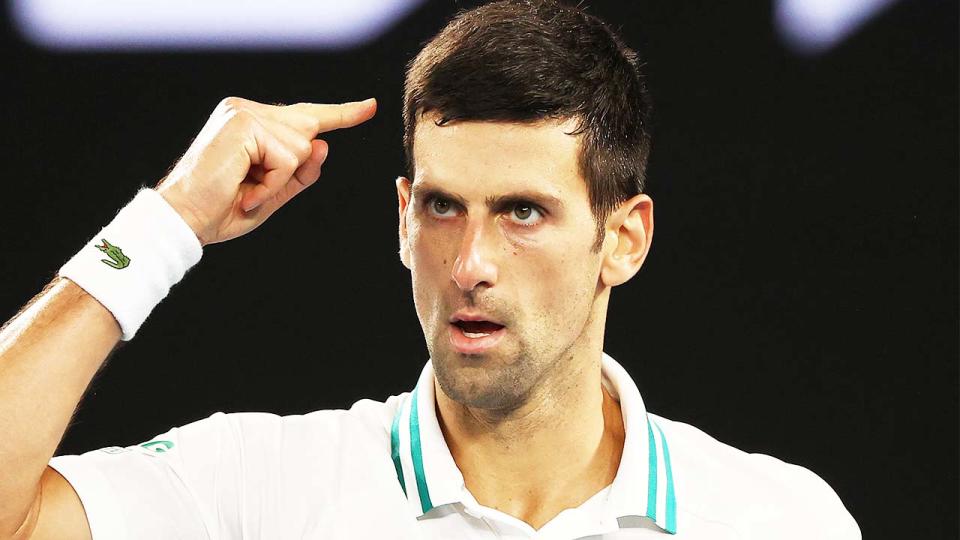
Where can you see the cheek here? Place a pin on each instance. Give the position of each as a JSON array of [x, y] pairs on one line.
[[430, 267], [560, 284], [430, 252], [557, 283]]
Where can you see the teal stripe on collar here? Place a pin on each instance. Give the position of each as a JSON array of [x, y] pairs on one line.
[[671, 497], [652, 481], [417, 453], [395, 447]]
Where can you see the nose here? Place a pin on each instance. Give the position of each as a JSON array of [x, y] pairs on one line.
[[474, 264]]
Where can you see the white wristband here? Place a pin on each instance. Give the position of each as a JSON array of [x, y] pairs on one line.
[[130, 266]]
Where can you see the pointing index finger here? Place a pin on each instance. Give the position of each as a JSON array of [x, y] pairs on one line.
[[343, 115]]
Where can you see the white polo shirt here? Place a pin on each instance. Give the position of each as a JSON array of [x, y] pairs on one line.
[[383, 470]]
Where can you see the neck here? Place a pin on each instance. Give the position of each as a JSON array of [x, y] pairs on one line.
[[510, 461]]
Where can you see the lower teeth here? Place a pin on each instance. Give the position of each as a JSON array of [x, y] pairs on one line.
[[472, 335]]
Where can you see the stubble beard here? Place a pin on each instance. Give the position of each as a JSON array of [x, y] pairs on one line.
[[485, 381]]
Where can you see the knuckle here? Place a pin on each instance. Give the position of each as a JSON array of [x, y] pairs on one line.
[[231, 103], [297, 108], [291, 162], [304, 149], [241, 117]]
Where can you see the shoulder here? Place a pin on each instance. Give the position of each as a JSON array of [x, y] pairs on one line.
[[366, 419], [261, 437], [758, 495], [230, 471]]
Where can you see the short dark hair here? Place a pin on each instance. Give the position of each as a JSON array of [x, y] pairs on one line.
[[530, 60]]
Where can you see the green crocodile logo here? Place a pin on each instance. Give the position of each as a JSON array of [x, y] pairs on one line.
[[117, 259]]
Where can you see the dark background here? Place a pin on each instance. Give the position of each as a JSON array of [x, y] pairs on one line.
[[800, 298]]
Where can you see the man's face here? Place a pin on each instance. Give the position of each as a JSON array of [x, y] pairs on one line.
[[498, 228]]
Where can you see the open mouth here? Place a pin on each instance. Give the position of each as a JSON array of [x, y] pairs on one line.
[[476, 337], [477, 329]]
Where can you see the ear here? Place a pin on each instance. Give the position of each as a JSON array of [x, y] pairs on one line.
[[403, 199], [629, 232]]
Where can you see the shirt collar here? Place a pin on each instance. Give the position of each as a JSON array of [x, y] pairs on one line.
[[642, 489]]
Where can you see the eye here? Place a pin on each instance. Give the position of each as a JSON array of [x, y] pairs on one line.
[[440, 207], [526, 214]]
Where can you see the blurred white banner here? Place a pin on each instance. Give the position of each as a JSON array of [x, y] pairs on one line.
[[812, 26], [205, 24]]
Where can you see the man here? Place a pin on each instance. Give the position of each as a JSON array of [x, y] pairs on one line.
[[526, 132]]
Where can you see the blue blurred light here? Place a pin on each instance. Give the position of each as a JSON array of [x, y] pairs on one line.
[[814, 26], [205, 24]]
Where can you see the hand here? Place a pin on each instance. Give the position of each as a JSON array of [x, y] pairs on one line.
[[249, 160]]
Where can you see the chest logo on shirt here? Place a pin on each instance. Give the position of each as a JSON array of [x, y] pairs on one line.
[[158, 446]]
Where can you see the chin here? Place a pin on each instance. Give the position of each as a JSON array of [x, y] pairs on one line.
[[481, 381]]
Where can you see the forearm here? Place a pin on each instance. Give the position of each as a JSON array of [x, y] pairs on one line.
[[49, 352]]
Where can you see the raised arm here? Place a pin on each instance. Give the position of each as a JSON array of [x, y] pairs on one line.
[[248, 160]]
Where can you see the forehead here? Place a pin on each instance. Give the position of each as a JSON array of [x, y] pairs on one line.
[[486, 157]]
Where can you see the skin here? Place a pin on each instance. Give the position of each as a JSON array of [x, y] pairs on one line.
[[526, 263]]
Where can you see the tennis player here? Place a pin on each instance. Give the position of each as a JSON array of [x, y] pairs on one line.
[[527, 136]]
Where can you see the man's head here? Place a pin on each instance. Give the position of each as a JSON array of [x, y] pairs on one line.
[[526, 136], [522, 61]]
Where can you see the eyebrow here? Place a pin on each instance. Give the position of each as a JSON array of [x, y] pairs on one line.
[[426, 191]]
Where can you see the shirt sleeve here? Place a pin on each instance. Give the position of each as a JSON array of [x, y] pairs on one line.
[[180, 484]]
